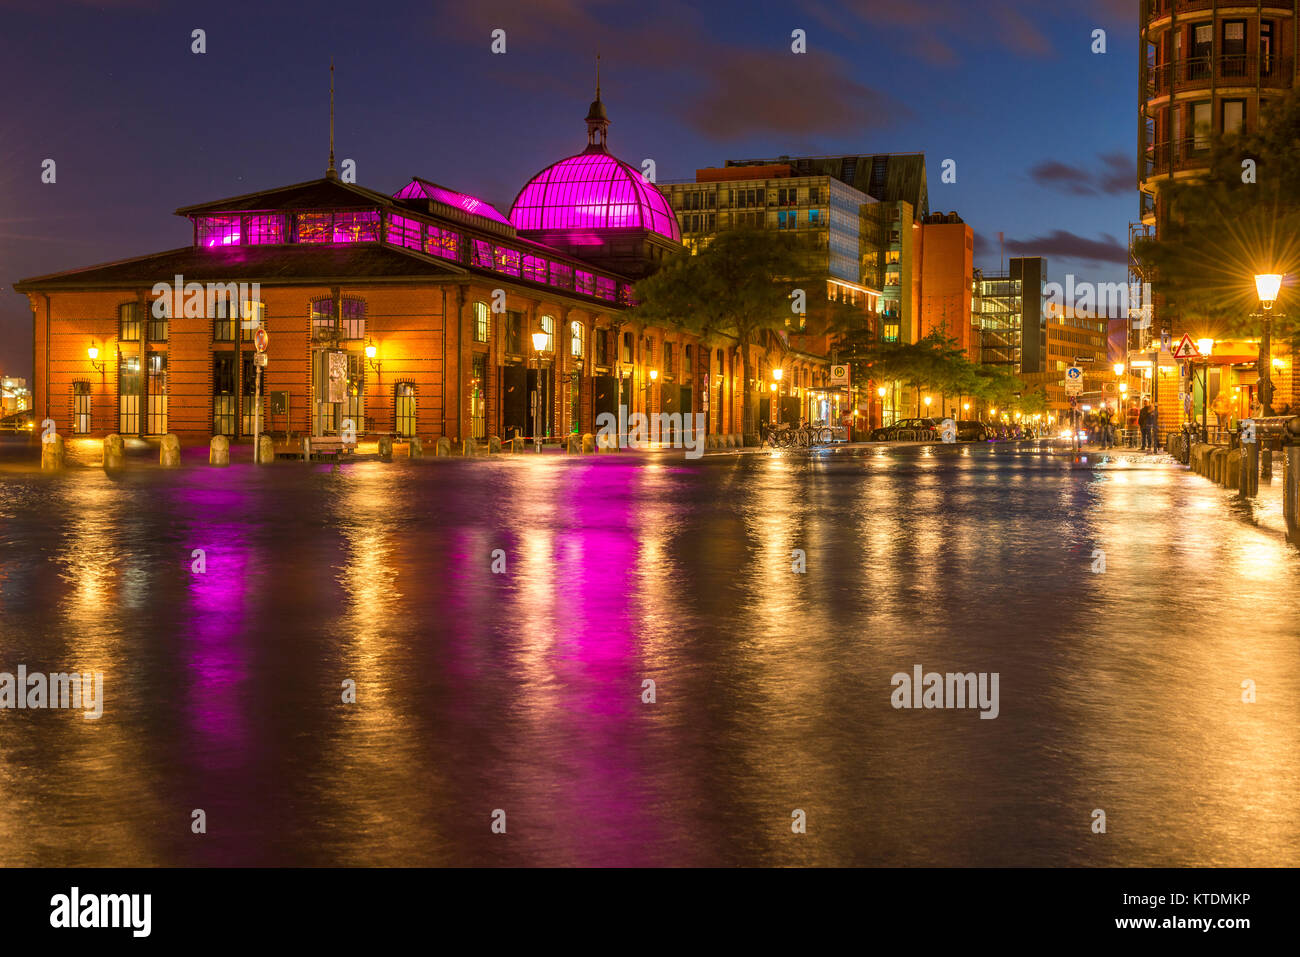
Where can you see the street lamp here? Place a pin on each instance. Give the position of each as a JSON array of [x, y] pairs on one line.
[[371, 352], [539, 343], [1267, 286], [927, 406], [93, 353]]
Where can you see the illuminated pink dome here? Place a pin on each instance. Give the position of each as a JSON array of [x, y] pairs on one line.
[[592, 190]]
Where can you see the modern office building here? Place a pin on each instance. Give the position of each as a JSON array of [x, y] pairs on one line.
[[823, 214], [947, 274], [1076, 338], [890, 227], [1008, 316]]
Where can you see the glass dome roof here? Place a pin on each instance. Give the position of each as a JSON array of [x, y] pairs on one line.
[[593, 190]]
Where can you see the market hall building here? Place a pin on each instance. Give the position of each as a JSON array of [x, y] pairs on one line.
[[424, 303]]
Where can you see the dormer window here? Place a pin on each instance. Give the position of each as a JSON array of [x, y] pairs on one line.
[[218, 231]]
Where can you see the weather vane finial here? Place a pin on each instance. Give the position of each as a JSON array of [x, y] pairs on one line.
[[598, 76], [331, 173]]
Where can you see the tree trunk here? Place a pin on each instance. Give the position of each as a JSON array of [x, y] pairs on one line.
[[748, 427]]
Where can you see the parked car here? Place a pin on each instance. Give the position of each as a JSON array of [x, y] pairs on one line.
[[24, 421], [972, 431]]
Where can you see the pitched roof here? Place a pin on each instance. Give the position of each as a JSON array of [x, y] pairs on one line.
[[318, 193], [283, 265]]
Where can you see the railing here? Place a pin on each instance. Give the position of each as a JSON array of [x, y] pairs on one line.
[[1235, 69], [1188, 153], [1156, 9]]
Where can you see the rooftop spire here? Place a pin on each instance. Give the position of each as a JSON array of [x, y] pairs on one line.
[[331, 173], [597, 120]]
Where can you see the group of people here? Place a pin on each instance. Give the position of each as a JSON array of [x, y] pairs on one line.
[[1104, 424]]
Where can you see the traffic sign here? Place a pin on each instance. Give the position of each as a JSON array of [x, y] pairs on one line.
[[259, 359], [1073, 380], [1247, 431], [839, 375], [1084, 360], [948, 431], [1185, 349], [260, 339]]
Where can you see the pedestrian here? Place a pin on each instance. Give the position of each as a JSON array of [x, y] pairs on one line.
[[1104, 425], [1145, 423]]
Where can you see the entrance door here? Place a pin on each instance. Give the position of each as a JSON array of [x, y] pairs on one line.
[[604, 390], [514, 402]]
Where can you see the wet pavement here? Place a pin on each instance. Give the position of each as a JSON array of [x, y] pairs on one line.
[[522, 691]]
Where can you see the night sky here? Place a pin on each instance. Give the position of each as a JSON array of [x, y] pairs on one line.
[[1043, 130]]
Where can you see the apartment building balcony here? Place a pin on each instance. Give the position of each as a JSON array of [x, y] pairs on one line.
[[1224, 72], [1157, 11], [1164, 159]]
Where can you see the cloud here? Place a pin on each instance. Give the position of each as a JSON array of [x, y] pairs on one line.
[[1021, 26], [1066, 245], [751, 91], [1114, 176]]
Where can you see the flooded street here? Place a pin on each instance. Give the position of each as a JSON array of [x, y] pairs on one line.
[[522, 690]]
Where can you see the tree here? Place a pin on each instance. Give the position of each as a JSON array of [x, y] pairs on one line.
[[732, 287]]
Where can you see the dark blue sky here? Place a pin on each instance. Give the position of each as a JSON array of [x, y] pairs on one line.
[[1042, 129]]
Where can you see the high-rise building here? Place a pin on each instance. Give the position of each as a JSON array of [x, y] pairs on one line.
[[1008, 316], [947, 271], [890, 227]]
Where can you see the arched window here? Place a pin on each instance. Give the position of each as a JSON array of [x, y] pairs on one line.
[[481, 322], [404, 408], [548, 327], [575, 339]]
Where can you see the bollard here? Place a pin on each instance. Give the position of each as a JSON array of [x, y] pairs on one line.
[[218, 450], [444, 446], [588, 444], [468, 447], [1249, 485], [417, 448], [1266, 462], [306, 448], [169, 451], [516, 443], [1232, 470], [1218, 460], [385, 447], [52, 451], [114, 451], [494, 445], [1291, 491], [265, 449], [573, 446]]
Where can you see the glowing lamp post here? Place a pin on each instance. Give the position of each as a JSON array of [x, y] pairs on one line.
[[1267, 286], [92, 353], [539, 343]]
